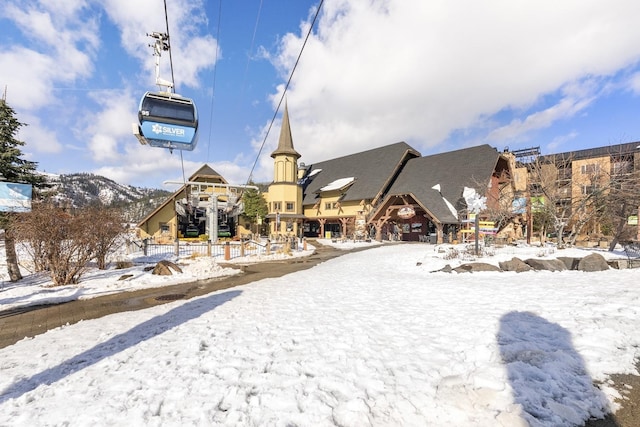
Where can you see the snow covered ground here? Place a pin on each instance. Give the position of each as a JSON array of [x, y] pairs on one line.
[[38, 289], [369, 338]]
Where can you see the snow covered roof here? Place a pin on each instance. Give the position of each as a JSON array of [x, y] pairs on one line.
[[338, 184]]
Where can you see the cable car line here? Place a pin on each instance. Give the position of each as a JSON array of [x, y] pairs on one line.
[[213, 87], [284, 92], [166, 119], [166, 21]]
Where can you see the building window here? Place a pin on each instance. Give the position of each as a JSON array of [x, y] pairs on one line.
[[328, 206], [589, 169], [291, 207], [564, 174], [277, 206], [589, 189], [164, 228], [622, 167]]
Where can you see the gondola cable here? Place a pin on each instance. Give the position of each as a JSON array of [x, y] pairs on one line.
[[213, 88], [166, 21], [284, 92], [173, 85]]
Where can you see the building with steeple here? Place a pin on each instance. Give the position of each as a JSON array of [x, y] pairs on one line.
[[284, 197]]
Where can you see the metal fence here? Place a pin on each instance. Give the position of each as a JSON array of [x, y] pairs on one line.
[[232, 249]]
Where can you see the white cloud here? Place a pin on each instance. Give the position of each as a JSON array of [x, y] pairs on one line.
[[37, 137], [556, 145], [566, 108], [382, 71], [634, 83], [192, 52], [60, 50], [27, 76]]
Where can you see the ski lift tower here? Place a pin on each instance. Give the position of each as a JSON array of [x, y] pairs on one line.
[[198, 188]]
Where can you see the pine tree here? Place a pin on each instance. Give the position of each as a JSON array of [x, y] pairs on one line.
[[255, 206], [13, 168]]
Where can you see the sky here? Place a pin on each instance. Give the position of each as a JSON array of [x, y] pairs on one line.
[[438, 75], [375, 337]]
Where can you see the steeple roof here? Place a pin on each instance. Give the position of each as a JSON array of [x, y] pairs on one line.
[[285, 143]]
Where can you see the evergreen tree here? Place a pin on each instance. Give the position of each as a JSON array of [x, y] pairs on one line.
[[13, 168], [255, 205]]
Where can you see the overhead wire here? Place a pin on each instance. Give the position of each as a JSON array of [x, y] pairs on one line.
[[213, 87], [166, 20], [173, 83], [253, 39], [284, 92]]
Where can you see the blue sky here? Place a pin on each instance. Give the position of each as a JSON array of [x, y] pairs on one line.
[[439, 75]]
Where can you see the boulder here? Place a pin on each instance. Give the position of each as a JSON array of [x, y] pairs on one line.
[[475, 267], [593, 262], [446, 269], [570, 262], [164, 267], [515, 264], [546, 264]]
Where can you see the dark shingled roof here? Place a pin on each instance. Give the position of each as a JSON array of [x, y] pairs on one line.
[[372, 170], [454, 170], [588, 153]]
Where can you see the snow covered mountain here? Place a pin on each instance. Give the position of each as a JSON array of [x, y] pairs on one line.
[[83, 189]]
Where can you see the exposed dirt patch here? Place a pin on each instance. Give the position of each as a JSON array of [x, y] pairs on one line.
[[629, 414]]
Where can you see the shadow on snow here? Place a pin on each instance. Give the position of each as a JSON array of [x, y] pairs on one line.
[[142, 332], [548, 376]]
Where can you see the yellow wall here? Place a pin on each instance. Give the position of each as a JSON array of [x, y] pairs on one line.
[[346, 209], [597, 177], [152, 227]]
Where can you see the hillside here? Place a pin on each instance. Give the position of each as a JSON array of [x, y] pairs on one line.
[[83, 189]]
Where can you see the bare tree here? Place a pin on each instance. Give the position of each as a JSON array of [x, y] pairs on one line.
[[570, 198], [64, 241], [105, 236], [621, 200]]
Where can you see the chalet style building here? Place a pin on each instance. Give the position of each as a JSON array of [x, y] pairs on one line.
[[386, 192]]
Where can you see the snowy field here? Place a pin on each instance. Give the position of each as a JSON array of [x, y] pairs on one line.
[[369, 338]]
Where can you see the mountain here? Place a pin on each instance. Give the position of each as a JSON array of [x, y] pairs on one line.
[[83, 189]]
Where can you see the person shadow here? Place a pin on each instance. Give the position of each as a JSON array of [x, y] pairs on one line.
[[144, 331], [548, 376]]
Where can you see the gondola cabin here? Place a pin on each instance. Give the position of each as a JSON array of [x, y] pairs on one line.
[[167, 120]]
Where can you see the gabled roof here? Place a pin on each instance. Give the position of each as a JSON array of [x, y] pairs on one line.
[[454, 170], [207, 173], [204, 174], [372, 171]]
